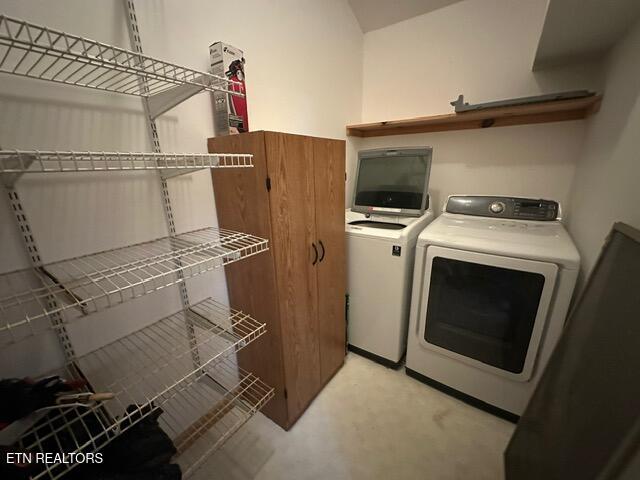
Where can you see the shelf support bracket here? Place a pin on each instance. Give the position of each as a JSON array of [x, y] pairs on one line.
[[176, 173], [22, 162], [56, 319], [162, 102]]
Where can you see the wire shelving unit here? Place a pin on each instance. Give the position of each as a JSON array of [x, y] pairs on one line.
[[217, 406], [101, 280], [149, 369], [183, 363], [35, 51]]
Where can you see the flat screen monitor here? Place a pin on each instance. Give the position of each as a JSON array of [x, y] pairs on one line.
[[583, 420], [393, 181]]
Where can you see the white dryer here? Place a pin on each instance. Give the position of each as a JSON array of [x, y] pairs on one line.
[[492, 284], [380, 258]]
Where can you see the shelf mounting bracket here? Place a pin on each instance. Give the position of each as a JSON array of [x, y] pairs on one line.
[[56, 319], [162, 102], [23, 162]]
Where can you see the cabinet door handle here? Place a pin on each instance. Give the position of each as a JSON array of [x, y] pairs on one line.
[[322, 247], [315, 250]]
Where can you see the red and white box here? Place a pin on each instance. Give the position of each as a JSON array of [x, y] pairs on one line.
[[229, 111]]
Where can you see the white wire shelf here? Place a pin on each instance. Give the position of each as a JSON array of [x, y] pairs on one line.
[[147, 369], [35, 51], [213, 409], [83, 285], [170, 164]]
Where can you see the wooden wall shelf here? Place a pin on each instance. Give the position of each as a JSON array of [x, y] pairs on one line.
[[554, 111]]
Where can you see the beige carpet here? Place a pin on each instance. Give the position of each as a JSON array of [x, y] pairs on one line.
[[370, 422]]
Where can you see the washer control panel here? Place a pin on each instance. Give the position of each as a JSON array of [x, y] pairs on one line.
[[503, 207]]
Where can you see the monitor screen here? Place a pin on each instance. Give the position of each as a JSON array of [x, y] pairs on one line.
[[393, 180]]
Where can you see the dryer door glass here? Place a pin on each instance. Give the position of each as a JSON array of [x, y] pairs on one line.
[[483, 312]]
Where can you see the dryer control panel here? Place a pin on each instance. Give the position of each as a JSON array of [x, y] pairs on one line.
[[503, 207]]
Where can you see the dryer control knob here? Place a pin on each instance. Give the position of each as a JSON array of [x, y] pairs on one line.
[[496, 207]]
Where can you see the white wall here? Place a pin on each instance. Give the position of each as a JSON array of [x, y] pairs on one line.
[[483, 49], [606, 187], [534, 161], [311, 72], [303, 75]]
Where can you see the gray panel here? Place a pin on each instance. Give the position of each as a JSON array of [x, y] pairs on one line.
[[503, 207], [583, 419]]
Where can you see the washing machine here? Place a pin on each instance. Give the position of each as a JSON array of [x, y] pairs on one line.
[[492, 283], [380, 258], [390, 209]]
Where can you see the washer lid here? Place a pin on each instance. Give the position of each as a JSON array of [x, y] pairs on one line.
[[537, 240], [382, 227]]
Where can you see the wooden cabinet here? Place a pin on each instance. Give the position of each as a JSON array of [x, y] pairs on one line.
[[294, 196]]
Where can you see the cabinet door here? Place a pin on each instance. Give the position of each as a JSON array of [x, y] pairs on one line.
[[292, 198], [242, 203], [329, 169]]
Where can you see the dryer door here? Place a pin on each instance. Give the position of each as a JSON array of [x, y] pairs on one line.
[[486, 310]]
